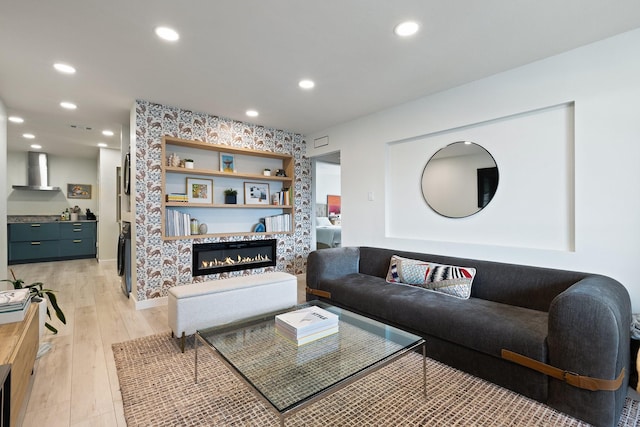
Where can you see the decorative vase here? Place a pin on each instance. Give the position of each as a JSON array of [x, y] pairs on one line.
[[230, 199], [194, 226], [203, 228]]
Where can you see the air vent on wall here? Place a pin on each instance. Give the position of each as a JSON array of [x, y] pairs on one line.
[[81, 127]]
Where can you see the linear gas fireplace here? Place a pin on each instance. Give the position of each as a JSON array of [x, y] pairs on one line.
[[213, 258]]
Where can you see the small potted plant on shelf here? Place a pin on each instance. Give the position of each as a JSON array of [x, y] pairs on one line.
[[230, 196], [266, 172], [188, 163], [38, 294]]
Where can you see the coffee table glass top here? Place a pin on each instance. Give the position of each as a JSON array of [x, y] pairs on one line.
[[287, 375]]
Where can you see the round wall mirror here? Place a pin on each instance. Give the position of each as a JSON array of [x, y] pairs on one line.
[[459, 180]]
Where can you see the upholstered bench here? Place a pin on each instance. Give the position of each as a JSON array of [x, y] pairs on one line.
[[217, 302]]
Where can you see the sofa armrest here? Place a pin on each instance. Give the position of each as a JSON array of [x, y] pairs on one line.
[[589, 333], [326, 264]]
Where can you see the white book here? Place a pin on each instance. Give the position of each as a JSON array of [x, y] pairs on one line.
[[306, 320], [14, 316], [308, 338], [14, 297]]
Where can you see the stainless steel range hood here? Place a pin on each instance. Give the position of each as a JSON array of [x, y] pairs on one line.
[[38, 173]]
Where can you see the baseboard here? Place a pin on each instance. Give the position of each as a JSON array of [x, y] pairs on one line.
[[148, 303]]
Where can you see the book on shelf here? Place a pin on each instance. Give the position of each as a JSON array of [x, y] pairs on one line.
[[278, 223], [177, 223], [282, 198], [177, 197], [306, 321]]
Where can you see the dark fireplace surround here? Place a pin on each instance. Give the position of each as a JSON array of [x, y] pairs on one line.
[[222, 257]]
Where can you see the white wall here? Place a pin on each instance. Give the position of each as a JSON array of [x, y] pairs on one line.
[[3, 196], [108, 226], [599, 172], [62, 171], [327, 181]]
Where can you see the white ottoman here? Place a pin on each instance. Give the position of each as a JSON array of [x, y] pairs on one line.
[[217, 302]]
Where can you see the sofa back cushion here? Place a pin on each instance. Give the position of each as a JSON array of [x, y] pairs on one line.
[[524, 286]]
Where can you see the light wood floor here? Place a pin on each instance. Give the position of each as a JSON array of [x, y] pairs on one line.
[[75, 383]]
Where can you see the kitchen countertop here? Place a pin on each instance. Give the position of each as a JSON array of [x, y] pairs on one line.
[[22, 219]]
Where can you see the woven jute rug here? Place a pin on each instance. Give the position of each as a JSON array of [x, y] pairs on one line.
[[158, 389]]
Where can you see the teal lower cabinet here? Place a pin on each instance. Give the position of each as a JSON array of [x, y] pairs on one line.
[[33, 251], [77, 240], [39, 242], [78, 248]]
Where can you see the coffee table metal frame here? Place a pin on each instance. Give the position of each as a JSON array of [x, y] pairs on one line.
[[338, 385]]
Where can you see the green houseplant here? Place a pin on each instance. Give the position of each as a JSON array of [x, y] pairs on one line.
[[39, 292], [230, 196]]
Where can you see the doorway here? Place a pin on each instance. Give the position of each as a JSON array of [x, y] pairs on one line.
[[327, 201]]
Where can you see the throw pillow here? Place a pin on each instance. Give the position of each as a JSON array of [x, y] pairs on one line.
[[323, 221], [447, 279]]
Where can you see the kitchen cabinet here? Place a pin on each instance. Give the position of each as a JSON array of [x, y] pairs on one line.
[[78, 239], [33, 241], [51, 241]]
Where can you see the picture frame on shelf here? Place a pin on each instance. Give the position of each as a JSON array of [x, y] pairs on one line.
[[200, 190], [256, 193], [78, 191], [227, 163]]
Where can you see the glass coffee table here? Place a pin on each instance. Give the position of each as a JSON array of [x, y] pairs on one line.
[[288, 377]]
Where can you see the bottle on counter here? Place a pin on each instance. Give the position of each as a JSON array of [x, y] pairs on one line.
[[67, 215]]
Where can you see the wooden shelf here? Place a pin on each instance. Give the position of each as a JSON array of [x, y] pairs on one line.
[[204, 236], [225, 206], [252, 172], [211, 172]]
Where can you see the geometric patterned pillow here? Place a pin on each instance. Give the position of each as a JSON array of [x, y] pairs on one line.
[[447, 279]]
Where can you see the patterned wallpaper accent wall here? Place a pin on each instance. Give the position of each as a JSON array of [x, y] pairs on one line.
[[160, 264]]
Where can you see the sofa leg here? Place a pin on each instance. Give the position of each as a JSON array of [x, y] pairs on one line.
[[182, 340]]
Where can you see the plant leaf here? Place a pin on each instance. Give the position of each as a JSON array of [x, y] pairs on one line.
[[54, 303], [51, 328]]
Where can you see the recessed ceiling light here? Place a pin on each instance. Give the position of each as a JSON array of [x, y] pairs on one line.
[[36, 146], [405, 29], [107, 132], [306, 84], [64, 68], [68, 105], [168, 34], [28, 135], [16, 119], [102, 144], [252, 113]]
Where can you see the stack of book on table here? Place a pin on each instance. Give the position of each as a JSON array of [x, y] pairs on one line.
[[14, 305], [306, 324]]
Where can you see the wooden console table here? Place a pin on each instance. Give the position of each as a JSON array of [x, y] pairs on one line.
[[19, 348]]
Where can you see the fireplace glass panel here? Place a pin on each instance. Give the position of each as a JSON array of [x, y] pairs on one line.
[[213, 258]]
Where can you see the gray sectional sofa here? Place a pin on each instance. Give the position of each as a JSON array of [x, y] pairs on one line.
[[574, 321]]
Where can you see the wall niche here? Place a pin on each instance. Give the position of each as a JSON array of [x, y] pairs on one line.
[[162, 264]]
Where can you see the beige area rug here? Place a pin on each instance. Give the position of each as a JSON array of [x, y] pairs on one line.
[[157, 386]]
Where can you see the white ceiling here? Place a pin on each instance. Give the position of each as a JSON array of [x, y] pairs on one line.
[[239, 54]]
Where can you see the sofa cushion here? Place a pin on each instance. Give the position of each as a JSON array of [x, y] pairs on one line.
[[481, 325], [447, 279]]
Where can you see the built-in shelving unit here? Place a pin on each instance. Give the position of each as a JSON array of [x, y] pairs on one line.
[[224, 219]]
